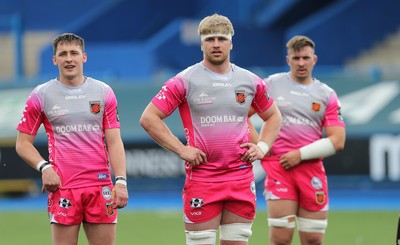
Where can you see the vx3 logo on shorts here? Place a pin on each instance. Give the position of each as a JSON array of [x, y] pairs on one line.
[[196, 202], [195, 213]]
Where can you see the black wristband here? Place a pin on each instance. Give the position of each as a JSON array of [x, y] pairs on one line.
[[42, 166], [120, 178]]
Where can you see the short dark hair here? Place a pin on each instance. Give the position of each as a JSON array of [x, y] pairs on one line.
[[68, 38]]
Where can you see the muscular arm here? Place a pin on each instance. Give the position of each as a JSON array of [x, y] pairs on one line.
[[337, 135], [269, 131], [28, 152], [271, 126], [152, 121], [253, 132]]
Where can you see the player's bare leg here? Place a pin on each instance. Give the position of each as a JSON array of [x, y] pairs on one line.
[[64, 234], [100, 234], [206, 231], [234, 219], [276, 210], [312, 238]]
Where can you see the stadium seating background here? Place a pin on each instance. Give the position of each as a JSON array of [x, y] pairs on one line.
[[144, 38]]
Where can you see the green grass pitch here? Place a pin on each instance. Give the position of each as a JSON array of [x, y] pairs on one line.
[[153, 228]]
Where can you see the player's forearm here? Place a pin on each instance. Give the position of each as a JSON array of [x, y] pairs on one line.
[[270, 128], [117, 158], [28, 153], [161, 134], [318, 149]]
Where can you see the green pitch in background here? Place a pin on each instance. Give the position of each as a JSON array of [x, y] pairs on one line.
[[153, 228]]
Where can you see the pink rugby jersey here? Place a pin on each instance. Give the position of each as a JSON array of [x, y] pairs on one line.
[[305, 110], [74, 119], [214, 109]]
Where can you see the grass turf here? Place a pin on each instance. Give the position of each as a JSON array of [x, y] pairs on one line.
[[148, 228]]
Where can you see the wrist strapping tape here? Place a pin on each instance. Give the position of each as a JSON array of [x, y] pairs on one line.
[[318, 149], [121, 180], [263, 146], [41, 165]]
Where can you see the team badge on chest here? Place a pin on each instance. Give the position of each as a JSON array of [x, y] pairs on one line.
[[240, 96], [95, 107], [316, 106]]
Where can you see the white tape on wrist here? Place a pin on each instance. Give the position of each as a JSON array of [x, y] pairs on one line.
[[40, 165], [121, 180], [263, 146], [318, 149], [46, 167]]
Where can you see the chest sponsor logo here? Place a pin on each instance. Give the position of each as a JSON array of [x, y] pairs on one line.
[[95, 107], [75, 97], [209, 121], [222, 85], [203, 99], [298, 121], [282, 102], [56, 110], [67, 129], [299, 93]]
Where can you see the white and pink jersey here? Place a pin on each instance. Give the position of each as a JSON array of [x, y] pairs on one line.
[[214, 110], [305, 109], [74, 119]]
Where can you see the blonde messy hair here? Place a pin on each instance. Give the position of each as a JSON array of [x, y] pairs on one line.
[[215, 24], [298, 42]]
